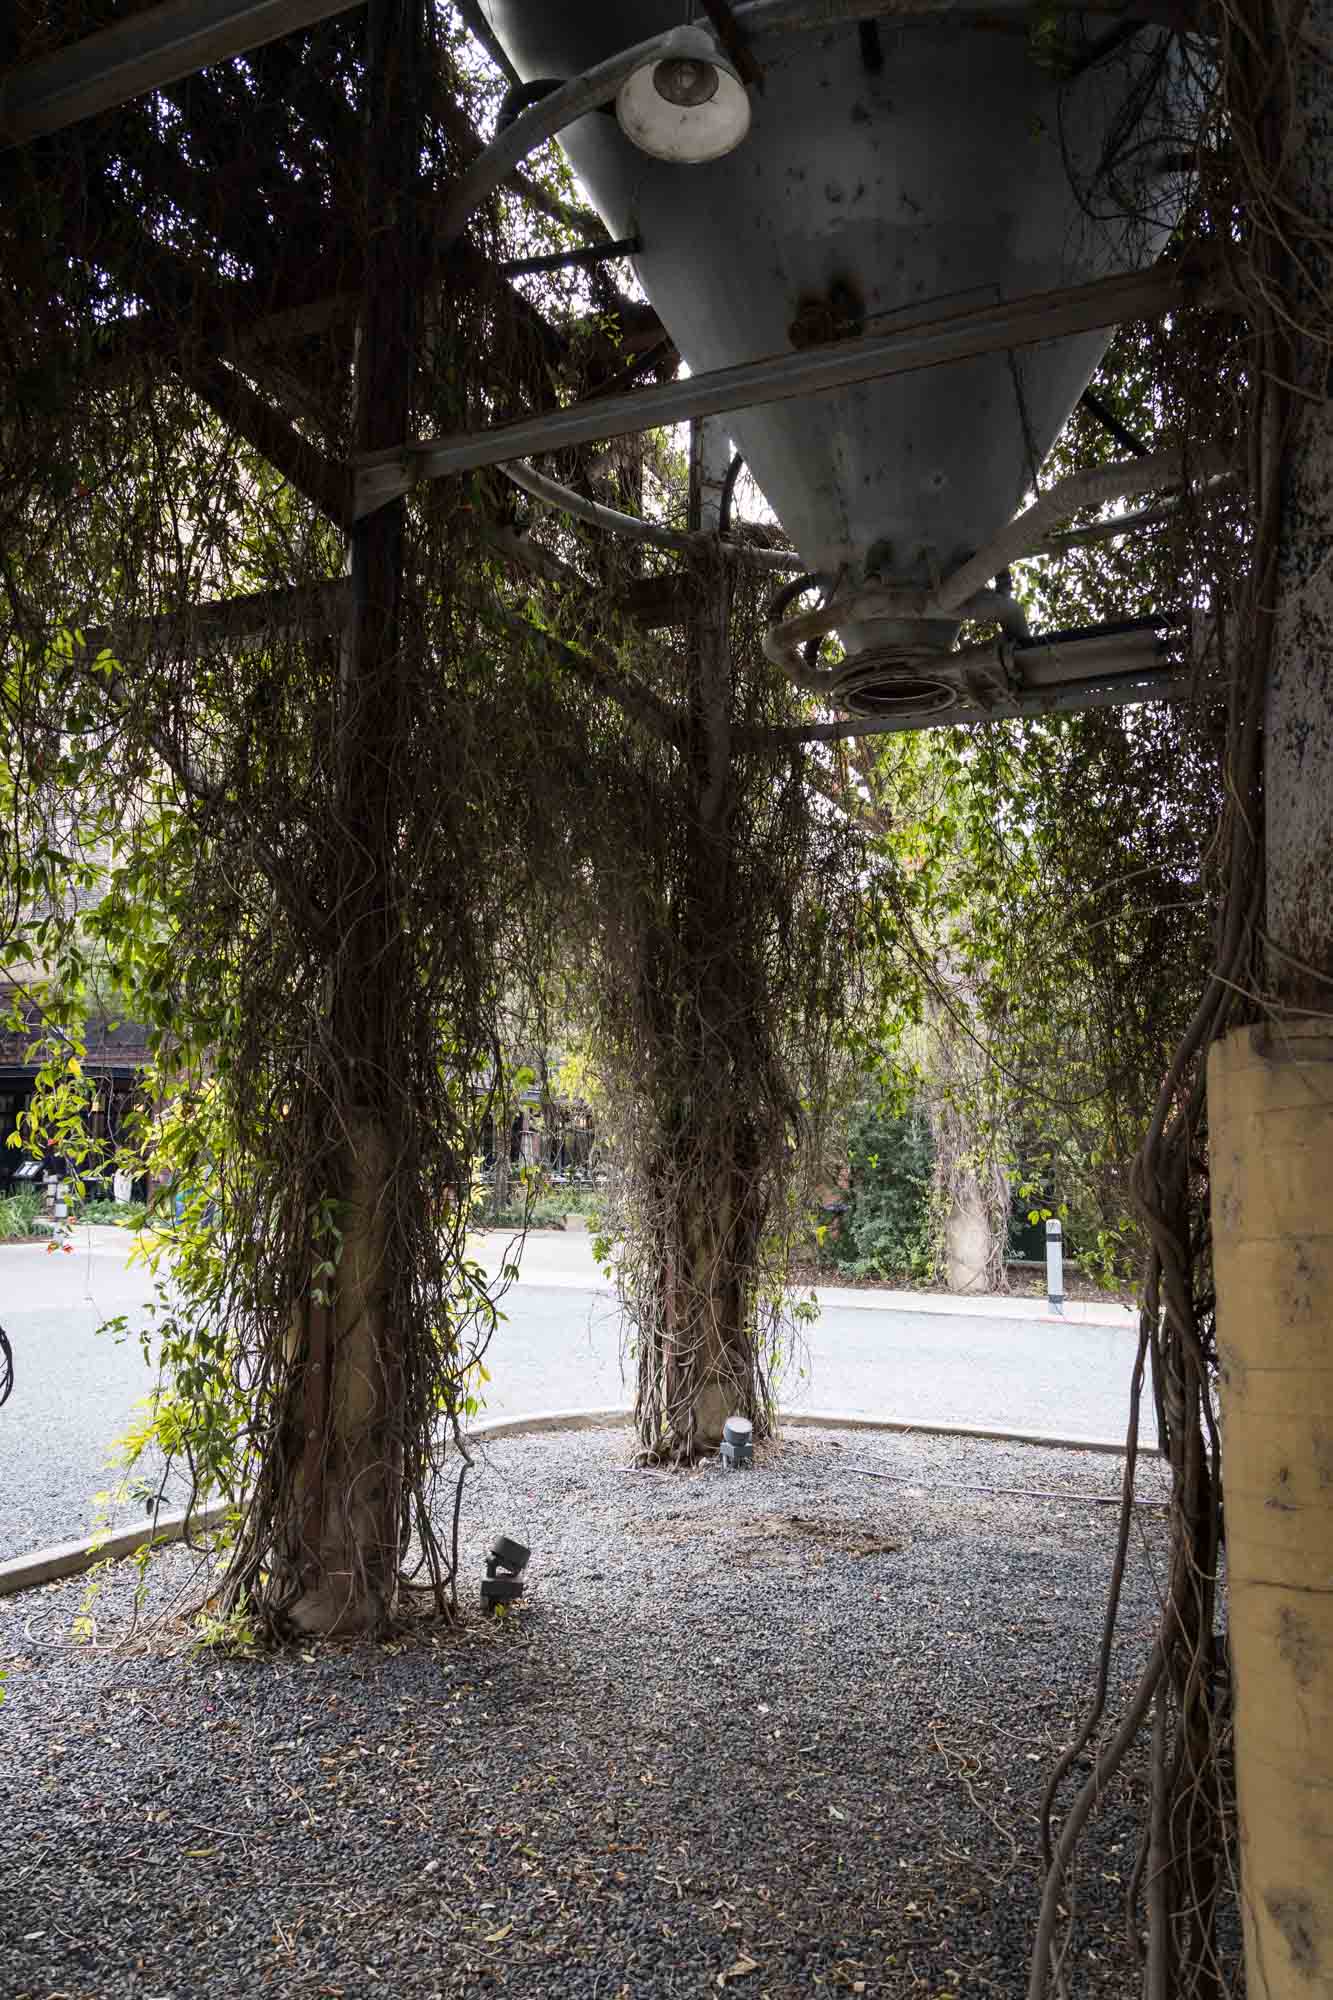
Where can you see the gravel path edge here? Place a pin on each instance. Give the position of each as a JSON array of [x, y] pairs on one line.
[[64, 1559]]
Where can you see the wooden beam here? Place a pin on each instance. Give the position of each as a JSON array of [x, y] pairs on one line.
[[324, 482], [215, 620], [140, 54]]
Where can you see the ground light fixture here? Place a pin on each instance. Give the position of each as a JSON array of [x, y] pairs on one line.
[[687, 105], [737, 1448], [503, 1582]]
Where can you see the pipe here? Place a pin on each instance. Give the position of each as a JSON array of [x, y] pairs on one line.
[[787, 639], [521, 97], [789, 594], [1100, 667], [1110, 422], [1078, 698], [1156, 516], [1080, 489], [1008, 614], [540, 122], [551, 493], [1099, 653], [728, 494]]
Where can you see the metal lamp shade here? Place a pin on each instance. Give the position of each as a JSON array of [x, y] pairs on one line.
[[688, 107]]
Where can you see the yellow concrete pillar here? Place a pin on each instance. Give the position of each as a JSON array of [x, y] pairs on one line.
[[1270, 1109]]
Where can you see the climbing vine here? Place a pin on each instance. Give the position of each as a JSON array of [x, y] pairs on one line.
[[315, 852]]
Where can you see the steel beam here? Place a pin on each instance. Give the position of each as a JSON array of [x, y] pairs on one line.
[[1077, 698], [956, 336], [141, 53]]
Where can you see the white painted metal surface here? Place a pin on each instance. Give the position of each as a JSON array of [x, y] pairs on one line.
[[883, 181]]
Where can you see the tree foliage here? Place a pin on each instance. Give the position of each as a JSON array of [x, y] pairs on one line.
[[885, 1227]]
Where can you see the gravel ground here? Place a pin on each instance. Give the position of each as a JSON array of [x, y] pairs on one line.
[[782, 1731]]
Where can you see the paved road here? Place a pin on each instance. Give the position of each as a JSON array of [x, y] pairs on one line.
[[559, 1348], [74, 1393]]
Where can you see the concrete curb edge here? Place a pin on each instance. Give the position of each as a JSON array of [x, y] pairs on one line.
[[64, 1559]]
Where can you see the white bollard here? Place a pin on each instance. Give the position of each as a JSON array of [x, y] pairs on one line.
[[1055, 1267]]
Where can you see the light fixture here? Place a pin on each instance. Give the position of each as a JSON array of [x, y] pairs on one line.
[[737, 1448], [688, 104], [503, 1582]]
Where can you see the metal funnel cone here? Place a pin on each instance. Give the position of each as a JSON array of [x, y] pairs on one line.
[[884, 178]]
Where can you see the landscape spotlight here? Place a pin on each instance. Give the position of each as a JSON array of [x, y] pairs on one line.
[[503, 1582], [737, 1448], [687, 105]]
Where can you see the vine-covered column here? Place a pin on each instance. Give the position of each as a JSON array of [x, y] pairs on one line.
[[1271, 1085], [700, 1365], [350, 1507]]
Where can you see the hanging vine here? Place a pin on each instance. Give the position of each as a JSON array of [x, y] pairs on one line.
[[319, 867], [728, 962], [1228, 372]]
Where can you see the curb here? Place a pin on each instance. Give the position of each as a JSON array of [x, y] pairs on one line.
[[64, 1559], [1081, 1315], [833, 1420], [549, 1420], [1052, 1440], [1005, 1308]]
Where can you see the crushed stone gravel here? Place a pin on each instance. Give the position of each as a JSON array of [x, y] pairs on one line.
[[780, 1732]]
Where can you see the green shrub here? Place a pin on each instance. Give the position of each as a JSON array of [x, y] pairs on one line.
[[532, 1199], [548, 1211], [129, 1214], [885, 1230], [19, 1215], [577, 1201]]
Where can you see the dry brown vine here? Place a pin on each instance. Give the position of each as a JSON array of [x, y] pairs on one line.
[[1222, 376]]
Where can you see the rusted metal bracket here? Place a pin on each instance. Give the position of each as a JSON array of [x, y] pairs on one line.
[[729, 34]]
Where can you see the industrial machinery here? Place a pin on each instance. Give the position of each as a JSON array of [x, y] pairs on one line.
[[890, 239], [805, 181]]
